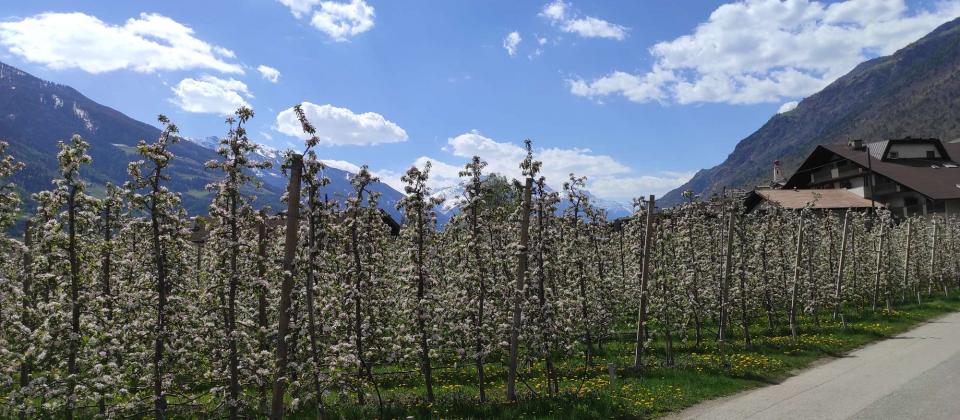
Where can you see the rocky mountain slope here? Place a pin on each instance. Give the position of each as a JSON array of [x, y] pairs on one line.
[[35, 114], [914, 92]]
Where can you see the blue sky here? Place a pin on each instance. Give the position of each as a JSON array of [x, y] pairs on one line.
[[635, 95]]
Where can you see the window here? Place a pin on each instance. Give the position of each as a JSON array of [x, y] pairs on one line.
[[936, 206], [893, 155], [931, 154], [910, 201]]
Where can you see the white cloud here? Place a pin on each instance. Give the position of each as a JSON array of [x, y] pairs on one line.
[[770, 50], [146, 44], [637, 88], [511, 42], [559, 13], [338, 20], [442, 174], [591, 27], [341, 126], [211, 95], [624, 189], [388, 177], [556, 11], [606, 177], [342, 165], [300, 7], [787, 107], [269, 73]]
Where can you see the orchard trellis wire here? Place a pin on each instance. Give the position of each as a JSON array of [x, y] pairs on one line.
[[107, 307]]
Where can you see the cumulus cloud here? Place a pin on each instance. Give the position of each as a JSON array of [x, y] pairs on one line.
[[146, 44], [342, 165], [769, 50], [562, 16], [338, 20], [787, 107], [624, 189], [299, 8], [211, 95], [606, 177], [637, 88], [269, 73], [511, 42], [341, 126]]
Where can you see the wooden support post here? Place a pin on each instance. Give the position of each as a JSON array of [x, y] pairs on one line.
[[906, 259], [725, 286], [796, 282], [286, 288], [837, 296], [933, 263], [876, 280], [644, 280]]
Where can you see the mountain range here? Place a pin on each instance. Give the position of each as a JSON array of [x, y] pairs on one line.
[[35, 114], [913, 92]]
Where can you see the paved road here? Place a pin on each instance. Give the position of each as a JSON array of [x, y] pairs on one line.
[[915, 375]]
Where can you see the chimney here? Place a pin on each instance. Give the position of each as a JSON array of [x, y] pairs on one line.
[[777, 175], [856, 144]]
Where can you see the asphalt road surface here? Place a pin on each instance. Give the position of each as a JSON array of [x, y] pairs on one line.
[[915, 375]]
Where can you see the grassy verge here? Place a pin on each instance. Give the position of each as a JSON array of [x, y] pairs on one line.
[[699, 372]]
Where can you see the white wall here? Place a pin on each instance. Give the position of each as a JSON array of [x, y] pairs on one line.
[[913, 151]]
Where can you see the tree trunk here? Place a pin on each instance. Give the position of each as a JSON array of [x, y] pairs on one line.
[[644, 280], [314, 251], [160, 399], [519, 292], [933, 262], [357, 309], [767, 296], [796, 282], [234, 402], [906, 259], [725, 287], [425, 367], [106, 268], [482, 295], [552, 385], [837, 297], [262, 297], [742, 275], [582, 285], [876, 280], [26, 367], [286, 288]]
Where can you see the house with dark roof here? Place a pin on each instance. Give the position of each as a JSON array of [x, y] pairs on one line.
[[909, 176]]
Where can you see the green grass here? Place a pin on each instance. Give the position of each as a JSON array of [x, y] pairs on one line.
[[699, 373]]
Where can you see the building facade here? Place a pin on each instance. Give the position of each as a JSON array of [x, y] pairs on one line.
[[908, 176]]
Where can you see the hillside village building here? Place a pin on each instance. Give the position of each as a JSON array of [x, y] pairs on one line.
[[908, 176]]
